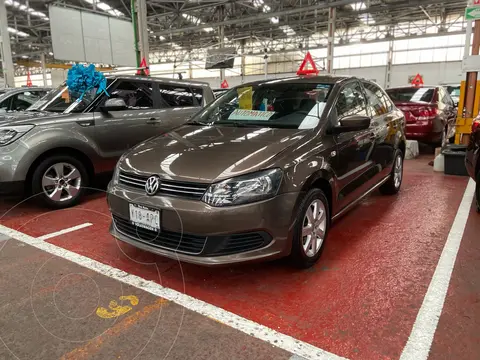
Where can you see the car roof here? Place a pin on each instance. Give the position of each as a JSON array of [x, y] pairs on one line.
[[413, 87], [318, 79], [24, 88], [158, 79]]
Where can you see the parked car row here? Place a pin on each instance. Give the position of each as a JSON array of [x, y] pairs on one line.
[[258, 173]]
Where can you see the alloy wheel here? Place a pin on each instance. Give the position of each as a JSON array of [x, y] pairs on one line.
[[61, 182], [314, 227], [398, 172]]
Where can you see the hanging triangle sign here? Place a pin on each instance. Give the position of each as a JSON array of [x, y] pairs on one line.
[[224, 84], [145, 70], [417, 81], [302, 70]]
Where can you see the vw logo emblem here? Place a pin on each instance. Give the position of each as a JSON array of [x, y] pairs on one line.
[[152, 185]]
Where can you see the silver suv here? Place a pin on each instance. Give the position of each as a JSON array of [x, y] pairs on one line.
[[57, 146]]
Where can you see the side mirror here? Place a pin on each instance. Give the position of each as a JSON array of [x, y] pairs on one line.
[[114, 104], [352, 123]]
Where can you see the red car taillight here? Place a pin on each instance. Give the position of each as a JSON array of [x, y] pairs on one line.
[[424, 113]]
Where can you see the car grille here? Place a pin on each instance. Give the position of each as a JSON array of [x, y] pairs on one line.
[[185, 243], [187, 190], [194, 244], [238, 243]]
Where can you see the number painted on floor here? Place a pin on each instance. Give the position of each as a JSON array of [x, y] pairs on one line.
[[114, 310]]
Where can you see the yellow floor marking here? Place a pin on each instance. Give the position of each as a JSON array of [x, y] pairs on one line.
[[94, 345], [117, 310]]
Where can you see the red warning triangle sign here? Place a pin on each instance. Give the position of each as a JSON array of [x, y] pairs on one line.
[[224, 84], [302, 70], [417, 81], [29, 80], [146, 70]]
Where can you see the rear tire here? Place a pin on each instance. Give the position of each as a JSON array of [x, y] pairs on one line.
[[311, 229], [59, 181], [394, 182]]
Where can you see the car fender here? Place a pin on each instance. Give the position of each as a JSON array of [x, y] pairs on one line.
[[41, 141]]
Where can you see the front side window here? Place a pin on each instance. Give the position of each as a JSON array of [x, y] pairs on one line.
[[137, 95], [272, 104], [376, 102], [350, 101], [176, 96]]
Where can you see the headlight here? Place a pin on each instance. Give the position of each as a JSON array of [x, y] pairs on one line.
[[116, 171], [244, 189], [9, 134]]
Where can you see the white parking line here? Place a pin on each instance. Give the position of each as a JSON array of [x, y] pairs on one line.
[[282, 341], [421, 338], [64, 231]]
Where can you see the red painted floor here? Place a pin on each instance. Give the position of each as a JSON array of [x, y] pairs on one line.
[[458, 332], [360, 301]]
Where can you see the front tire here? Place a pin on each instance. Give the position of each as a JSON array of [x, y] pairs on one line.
[[393, 184], [311, 229], [59, 181]]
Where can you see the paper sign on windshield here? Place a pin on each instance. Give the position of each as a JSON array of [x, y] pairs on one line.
[[251, 115], [245, 95]]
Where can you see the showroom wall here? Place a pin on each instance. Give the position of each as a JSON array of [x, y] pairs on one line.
[[433, 74]]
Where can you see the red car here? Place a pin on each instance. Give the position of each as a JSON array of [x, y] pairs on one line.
[[430, 113], [472, 160]]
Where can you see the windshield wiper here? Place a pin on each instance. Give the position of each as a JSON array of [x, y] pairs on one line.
[[241, 124]]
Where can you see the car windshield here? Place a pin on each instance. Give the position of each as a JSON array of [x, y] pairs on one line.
[[273, 104], [62, 98], [411, 94]]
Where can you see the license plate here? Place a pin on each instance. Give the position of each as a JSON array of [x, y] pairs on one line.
[[145, 218]]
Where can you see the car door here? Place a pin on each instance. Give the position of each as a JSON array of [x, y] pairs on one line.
[[385, 125], [117, 131], [352, 164]]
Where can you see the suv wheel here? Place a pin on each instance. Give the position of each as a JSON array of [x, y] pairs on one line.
[[59, 181], [392, 186], [311, 229]]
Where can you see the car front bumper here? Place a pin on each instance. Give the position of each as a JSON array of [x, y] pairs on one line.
[[195, 232]]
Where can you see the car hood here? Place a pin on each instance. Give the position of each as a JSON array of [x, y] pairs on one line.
[[28, 117], [210, 153]]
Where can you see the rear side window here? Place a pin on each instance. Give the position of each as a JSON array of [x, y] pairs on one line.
[[137, 95], [411, 94], [375, 98], [176, 96]]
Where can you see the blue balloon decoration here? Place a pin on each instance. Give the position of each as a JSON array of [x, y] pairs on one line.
[[82, 79]]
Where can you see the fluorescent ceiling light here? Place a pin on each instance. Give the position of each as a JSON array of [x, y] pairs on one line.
[[196, 21], [17, 32], [367, 19], [287, 30], [105, 7], [26, 9]]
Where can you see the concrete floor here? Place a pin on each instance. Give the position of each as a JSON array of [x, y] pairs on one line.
[[359, 302]]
